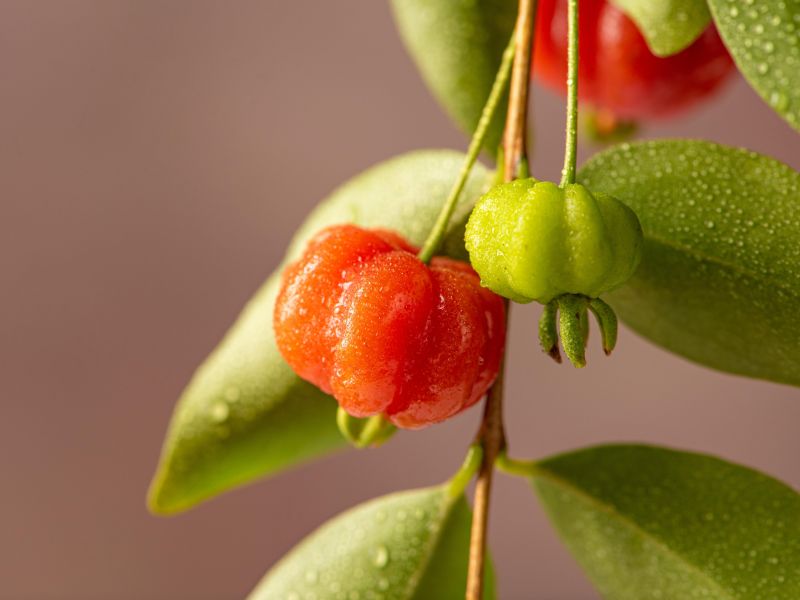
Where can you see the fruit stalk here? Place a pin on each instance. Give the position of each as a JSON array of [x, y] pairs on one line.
[[571, 146], [431, 244], [491, 435]]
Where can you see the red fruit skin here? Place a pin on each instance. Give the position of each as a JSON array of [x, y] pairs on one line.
[[617, 72], [361, 317]]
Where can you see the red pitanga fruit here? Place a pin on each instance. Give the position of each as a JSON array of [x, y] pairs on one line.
[[362, 318]]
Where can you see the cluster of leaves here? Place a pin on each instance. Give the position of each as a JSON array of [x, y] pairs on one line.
[[719, 284]]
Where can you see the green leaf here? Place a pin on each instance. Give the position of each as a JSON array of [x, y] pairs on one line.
[[649, 523], [719, 281], [245, 414], [410, 545], [668, 26], [457, 46], [764, 41]]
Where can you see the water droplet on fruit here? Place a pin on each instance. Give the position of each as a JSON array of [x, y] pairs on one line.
[[381, 558]]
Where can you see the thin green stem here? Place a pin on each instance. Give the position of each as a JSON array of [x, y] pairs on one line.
[[513, 466], [570, 151], [472, 462], [440, 227]]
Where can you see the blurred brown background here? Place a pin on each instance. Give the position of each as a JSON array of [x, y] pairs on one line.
[[155, 157]]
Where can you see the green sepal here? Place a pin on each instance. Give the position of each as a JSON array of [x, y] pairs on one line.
[[607, 321], [362, 433], [573, 326], [548, 330]]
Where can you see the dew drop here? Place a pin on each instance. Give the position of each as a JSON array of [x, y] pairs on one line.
[[779, 101], [219, 411], [381, 558]]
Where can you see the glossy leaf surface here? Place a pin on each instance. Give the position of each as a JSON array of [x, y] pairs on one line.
[[648, 523], [764, 40], [245, 413], [409, 545], [457, 46], [668, 26], [719, 281]]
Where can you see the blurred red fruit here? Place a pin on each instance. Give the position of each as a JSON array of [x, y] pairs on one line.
[[617, 71]]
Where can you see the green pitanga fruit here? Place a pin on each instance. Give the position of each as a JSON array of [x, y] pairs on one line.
[[532, 240], [561, 246]]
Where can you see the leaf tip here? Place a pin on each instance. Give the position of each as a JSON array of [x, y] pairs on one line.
[[162, 499]]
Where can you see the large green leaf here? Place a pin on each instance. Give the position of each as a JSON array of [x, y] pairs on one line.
[[668, 26], [764, 40], [245, 413], [719, 281], [649, 523], [406, 546], [457, 46]]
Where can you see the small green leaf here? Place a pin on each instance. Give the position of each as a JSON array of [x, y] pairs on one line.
[[647, 523], [668, 26], [410, 545], [719, 281], [764, 41], [457, 47], [245, 413]]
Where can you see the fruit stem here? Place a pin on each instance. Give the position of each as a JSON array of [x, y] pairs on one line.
[[491, 435], [514, 147], [571, 146], [431, 244]]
